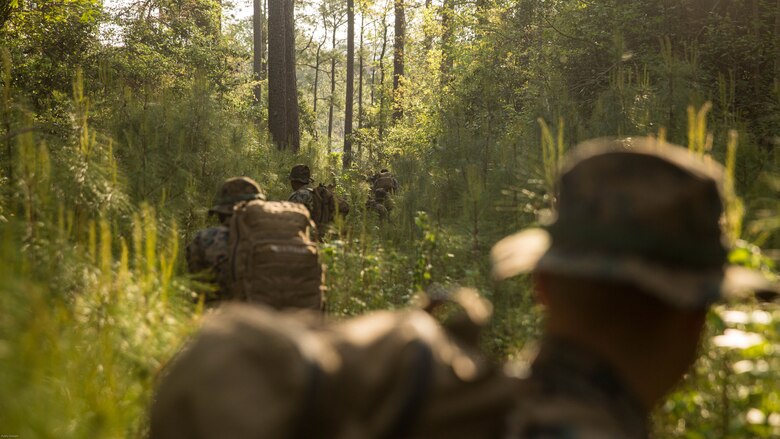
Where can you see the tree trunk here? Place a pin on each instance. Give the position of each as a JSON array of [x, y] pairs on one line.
[[277, 88], [264, 43], [257, 64], [360, 75], [428, 37], [398, 59], [293, 126], [282, 84], [350, 96], [317, 74], [777, 41], [382, 97], [332, 85], [447, 12]]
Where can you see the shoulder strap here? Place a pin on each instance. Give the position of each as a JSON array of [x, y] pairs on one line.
[[417, 392], [316, 216]]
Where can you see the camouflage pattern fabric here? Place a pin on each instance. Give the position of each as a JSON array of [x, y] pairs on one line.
[[304, 196], [379, 208], [571, 393], [207, 255]]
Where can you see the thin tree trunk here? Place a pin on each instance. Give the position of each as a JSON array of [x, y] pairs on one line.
[[317, 75], [428, 37], [382, 97], [350, 97], [360, 75], [447, 12], [373, 74], [264, 43], [257, 64], [316, 84], [293, 126], [277, 89], [398, 59], [332, 86], [777, 41]]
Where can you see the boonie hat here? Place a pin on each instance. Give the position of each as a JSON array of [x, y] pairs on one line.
[[301, 174], [638, 211]]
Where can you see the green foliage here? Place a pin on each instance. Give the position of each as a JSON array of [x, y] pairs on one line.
[[116, 130]]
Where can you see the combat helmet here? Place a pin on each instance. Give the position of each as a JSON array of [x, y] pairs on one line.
[[235, 190]]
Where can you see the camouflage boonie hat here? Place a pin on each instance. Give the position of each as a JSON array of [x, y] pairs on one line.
[[235, 190], [638, 211], [301, 174]]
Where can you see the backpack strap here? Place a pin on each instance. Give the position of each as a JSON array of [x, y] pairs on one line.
[[309, 410], [417, 392]]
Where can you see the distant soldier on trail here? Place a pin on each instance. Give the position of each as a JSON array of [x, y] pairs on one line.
[[300, 180], [380, 203], [383, 185], [320, 200], [384, 180], [207, 254], [626, 273]]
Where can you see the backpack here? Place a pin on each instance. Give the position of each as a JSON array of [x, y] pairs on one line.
[[324, 205], [341, 203], [386, 181], [271, 256], [254, 373]]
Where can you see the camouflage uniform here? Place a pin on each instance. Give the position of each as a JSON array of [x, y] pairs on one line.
[[572, 393], [304, 195], [384, 173], [207, 254], [380, 202]]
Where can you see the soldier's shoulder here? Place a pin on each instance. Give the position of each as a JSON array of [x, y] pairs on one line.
[[210, 235]]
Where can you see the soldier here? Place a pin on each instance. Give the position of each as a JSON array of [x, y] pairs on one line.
[[385, 180], [380, 203], [626, 273], [300, 179], [207, 253], [320, 200]]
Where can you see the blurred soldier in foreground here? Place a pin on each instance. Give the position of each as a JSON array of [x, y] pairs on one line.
[[207, 254], [626, 273]]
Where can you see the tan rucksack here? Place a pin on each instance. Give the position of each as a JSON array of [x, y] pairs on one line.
[[324, 205], [253, 373], [272, 257], [386, 181]]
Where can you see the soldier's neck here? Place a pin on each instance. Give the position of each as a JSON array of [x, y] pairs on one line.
[[641, 369]]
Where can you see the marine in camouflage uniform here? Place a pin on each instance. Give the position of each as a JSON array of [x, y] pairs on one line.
[[207, 254], [380, 202], [627, 273], [300, 179]]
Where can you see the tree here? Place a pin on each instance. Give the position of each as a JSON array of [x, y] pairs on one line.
[[360, 72], [282, 87], [337, 16], [447, 12], [258, 23], [398, 58], [348, 107]]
